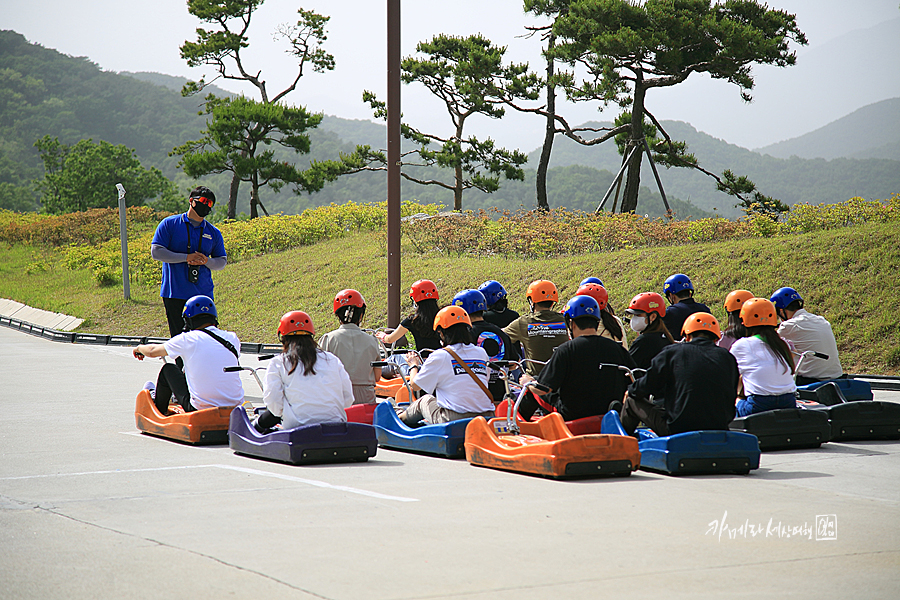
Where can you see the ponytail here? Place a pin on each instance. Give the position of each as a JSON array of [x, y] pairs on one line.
[[771, 339], [300, 349]]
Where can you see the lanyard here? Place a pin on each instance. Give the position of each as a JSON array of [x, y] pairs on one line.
[[187, 226]]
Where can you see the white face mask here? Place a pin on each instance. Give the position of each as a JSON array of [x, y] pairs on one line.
[[638, 324]]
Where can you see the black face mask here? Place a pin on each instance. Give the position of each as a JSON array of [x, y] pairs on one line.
[[201, 209]]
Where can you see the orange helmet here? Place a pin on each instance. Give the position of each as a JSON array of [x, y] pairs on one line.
[[648, 302], [595, 291], [542, 291], [296, 322], [348, 298], [701, 321], [449, 316], [735, 300], [758, 311], [423, 289]]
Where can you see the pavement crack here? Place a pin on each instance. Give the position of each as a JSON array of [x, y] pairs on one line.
[[178, 548]]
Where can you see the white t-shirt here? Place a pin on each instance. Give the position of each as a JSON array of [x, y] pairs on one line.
[[454, 388], [308, 399], [204, 358], [763, 372], [812, 332]]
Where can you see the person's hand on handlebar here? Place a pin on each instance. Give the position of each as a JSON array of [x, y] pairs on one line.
[[413, 359]]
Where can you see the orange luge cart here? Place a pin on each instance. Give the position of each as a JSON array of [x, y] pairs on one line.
[[206, 426], [547, 448]]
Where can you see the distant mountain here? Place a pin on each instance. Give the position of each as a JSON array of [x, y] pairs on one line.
[[872, 131], [792, 180]]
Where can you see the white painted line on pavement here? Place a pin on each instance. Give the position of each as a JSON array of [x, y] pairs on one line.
[[312, 482]]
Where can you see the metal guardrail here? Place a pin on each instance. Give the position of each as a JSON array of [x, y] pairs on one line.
[[100, 339]]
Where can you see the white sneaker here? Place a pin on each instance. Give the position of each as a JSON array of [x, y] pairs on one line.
[[151, 387]]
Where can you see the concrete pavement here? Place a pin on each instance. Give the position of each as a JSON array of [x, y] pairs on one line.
[[89, 508]]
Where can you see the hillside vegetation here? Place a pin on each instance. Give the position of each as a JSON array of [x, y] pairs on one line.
[[844, 266], [47, 93]]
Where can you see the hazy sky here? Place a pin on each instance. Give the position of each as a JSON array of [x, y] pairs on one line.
[[144, 36]]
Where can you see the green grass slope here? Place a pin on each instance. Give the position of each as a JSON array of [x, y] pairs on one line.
[[847, 275]]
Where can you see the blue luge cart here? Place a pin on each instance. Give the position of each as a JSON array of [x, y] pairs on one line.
[[447, 439], [695, 452]]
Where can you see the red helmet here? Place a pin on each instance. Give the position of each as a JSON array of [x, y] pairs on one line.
[[296, 322], [595, 291], [449, 316], [348, 298], [758, 311], [542, 291], [701, 321], [648, 302], [423, 289], [735, 300]]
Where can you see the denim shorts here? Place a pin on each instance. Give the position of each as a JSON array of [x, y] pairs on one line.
[[753, 403]]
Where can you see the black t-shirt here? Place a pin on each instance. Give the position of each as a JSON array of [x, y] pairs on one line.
[[500, 319], [424, 338], [698, 381], [498, 347], [646, 346], [582, 388], [678, 312]]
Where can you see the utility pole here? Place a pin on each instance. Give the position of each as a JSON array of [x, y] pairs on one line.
[[393, 156]]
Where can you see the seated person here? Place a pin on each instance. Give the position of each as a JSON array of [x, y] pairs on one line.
[[679, 291], [453, 378], [356, 349], [765, 361], [487, 336], [579, 387], [498, 311], [735, 329], [647, 310], [610, 325], [424, 295], [305, 385], [541, 331], [205, 350], [698, 380], [807, 331]]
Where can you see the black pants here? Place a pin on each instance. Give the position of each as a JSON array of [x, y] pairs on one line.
[[636, 410], [266, 420], [171, 381], [174, 309]]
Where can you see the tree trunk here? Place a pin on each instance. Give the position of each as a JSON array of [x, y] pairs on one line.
[[232, 196], [549, 132], [633, 181], [254, 195], [457, 171], [458, 189]]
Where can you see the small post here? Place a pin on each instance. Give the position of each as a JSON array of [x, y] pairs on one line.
[[123, 235]]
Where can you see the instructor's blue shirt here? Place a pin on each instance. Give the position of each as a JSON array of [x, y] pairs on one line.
[[172, 233]]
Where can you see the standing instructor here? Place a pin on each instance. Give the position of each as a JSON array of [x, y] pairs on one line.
[[189, 248]]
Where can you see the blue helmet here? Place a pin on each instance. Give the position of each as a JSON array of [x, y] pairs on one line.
[[677, 283], [196, 306], [783, 297], [470, 301], [588, 280], [582, 306], [493, 291]]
